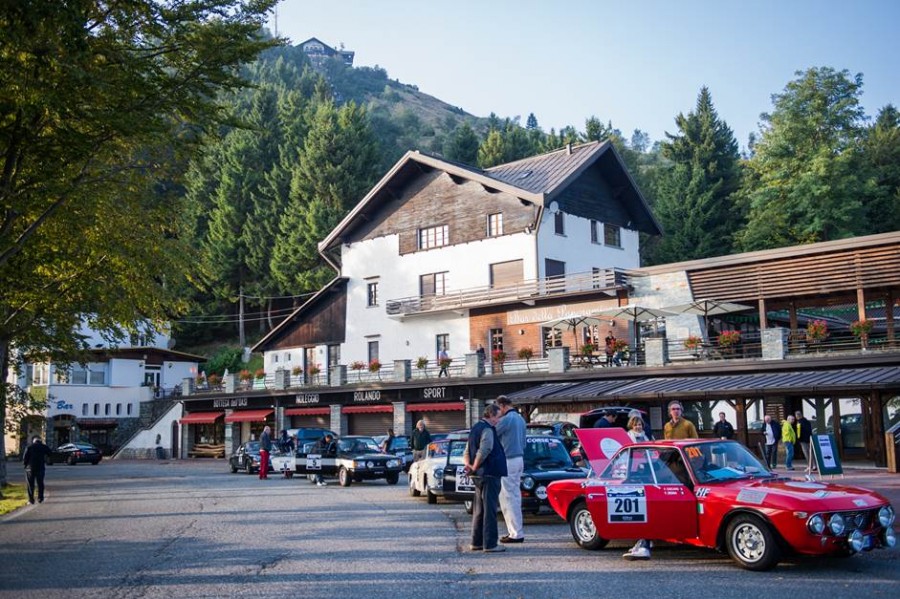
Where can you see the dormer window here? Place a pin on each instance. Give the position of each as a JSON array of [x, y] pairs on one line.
[[433, 237]]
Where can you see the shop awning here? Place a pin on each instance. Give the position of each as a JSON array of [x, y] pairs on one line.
[[446, 406], [307, 411], [249, 416], [201, 417], [88, 423], [366, 409]]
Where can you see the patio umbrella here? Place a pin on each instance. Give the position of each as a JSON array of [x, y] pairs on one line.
[[707, 308], [635, 313], [572, 321]]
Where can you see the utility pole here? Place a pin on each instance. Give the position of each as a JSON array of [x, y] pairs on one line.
[[241, 318]]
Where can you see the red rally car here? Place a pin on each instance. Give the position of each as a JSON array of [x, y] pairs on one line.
[[714, 494]]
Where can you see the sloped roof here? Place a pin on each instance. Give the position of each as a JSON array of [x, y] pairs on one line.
[[546, 173], [292, 318]]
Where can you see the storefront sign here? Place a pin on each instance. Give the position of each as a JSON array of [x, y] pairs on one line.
[[62, 405], [434, 393], [827, 457], [547, 313], [307, 398], [367, 396], [233, 402]]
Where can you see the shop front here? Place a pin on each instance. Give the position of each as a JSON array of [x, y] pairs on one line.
[[369, 420], [319, 417], [439, 417]]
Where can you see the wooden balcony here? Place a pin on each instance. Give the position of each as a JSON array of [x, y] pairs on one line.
[[607, 280]]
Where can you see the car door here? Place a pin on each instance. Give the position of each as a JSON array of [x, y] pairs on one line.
[[646, 497]]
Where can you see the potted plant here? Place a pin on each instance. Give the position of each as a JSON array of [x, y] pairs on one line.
[[314, 371], [692, 343], [358, 367], [816, 331], [200, 380], [245, 376], [729, 338], [861, 329], [421, 363], [260, 373], [375, 366], [587, 349], [296, 371], [498, 356], [526, 353], [213, 380]]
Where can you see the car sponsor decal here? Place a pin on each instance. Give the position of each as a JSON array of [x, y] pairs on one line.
[[463, 481], [626, 505], [799, 484], [860, 502], [702, 492], [281, 463], [541, 492], [313, 461], [751, 496]]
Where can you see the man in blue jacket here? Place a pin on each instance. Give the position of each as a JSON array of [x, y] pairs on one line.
[[485, 462]]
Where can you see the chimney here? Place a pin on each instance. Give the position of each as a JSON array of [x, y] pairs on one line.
[[569, 148]]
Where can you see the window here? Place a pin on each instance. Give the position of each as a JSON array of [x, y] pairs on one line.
[[507, 274], [107, 409], [78, 376], [128, 409], [442, 342], [433, 284], [496, 340], [287, 357], [559, 224], [596, 277], [118, 409], [612, 235], [555, 273], [434, 237], [372, 294], [373, 351], [96, 409], [84, 409], [334, 355], [552, 338], [275, 358], [40, 374], [495, 224], [595, 232]]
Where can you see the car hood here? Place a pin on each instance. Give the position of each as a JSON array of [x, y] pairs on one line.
[[369, 456], [547, 476], [801, 494]]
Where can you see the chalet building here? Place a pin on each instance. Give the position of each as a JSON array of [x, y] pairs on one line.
[[318, 52], [122, 395], [532, 260]]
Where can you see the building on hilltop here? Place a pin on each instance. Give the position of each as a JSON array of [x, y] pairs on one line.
[[318, 52]]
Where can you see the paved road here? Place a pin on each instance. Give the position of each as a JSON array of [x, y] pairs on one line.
[[190, 529]]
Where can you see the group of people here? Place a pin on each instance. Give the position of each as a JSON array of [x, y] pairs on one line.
[[795, 430], [495, 459]]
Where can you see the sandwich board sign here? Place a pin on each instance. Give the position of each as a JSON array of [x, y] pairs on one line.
[[827, 457]]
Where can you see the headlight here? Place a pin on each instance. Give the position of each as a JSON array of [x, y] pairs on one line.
[[528, 483], [816, 524], [890, 538], [370, 464], [359, 464], [886, 516], [438, 473], [856, 541], [393, 463], [836, 525]]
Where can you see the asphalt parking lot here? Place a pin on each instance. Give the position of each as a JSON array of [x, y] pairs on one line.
[[191, 529]]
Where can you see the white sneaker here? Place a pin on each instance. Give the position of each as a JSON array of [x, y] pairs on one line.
[[322, 484], [637, 553]]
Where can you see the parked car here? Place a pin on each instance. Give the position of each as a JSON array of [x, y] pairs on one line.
[[426, 475], [72, 453], [563, 430], [717, 494], [357, 458], [589, 419], [400, 447], [247, 457], [308, 436]]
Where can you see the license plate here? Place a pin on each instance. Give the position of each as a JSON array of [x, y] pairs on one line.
[[463, 481]]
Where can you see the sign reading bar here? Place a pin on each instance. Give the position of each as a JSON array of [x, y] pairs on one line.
[[434, 393], [367, 396], [307, 398], [233, 402]]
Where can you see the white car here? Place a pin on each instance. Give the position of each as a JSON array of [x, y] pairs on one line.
[[426, 475]]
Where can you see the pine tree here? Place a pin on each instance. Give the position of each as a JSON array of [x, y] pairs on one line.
[[492, 151], [695, 203], [881, 156], [462, 145]]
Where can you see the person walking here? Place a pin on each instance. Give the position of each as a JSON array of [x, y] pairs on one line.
[[265, 446], [388, 442], [420, 440], [485, 462], [723, 429], [804, 436], [35, 459], [771, 435], [789, 438], [444, 363], [679, 427], [511, 432], [610, 348]]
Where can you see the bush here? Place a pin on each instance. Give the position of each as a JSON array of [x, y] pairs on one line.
[[227, 358]]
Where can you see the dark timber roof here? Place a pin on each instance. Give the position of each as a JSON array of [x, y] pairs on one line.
[[547, 172]]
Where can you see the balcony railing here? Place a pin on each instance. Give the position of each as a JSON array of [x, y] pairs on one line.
[[606, 279]]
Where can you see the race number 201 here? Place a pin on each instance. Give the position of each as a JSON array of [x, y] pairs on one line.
[[626, 505]]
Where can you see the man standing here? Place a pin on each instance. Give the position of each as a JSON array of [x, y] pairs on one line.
[[723, 429], [771, 433], [678, 427], [325, 448], [511, 432], [608, 420], [804, 436], [485, 462], [420, 440], [788, 437], [35, 459], [265, 446]]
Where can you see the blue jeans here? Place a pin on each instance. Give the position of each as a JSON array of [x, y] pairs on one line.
[[771, 455], [788, 455], [484, 512]]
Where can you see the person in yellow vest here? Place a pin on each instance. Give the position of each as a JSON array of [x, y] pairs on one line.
[[788, 437], [678, 427]]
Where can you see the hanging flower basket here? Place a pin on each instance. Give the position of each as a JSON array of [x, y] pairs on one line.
[[729, 338], [861, 328], [314, 371], [213, 380], [498, 356], [358, 367], [260, 373], [245, 376], [375, 366], [421, 362], [296, 371]]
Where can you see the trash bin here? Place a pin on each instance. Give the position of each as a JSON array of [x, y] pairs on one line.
[[892, 448]]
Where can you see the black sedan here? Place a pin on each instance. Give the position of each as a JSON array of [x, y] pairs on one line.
[[247, 457], [72, 453], [400, 447], [354, 459]]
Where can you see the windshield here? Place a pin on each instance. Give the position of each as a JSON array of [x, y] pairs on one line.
[[358, 445], [457, 453], [726, 460], [546, 453]]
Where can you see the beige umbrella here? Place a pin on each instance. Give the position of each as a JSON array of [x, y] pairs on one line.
[[572, 321], [635, 313], [707, 308]]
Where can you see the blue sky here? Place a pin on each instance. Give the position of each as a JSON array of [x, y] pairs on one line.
[[637, 63]]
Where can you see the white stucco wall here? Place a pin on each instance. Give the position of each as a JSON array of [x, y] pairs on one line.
[[145, 439], [576, 250], [125, 373], [174, 373], [69, 399]]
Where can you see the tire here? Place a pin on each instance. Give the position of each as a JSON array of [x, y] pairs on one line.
[[249, 468], [71, 460], [392, 478], [469, 504], [581, 524], [344, 477], [94, 462], [233, 468], [431, 497], [752, 543], [413, 491]]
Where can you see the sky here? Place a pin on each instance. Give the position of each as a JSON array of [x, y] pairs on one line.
[[637, 63]]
